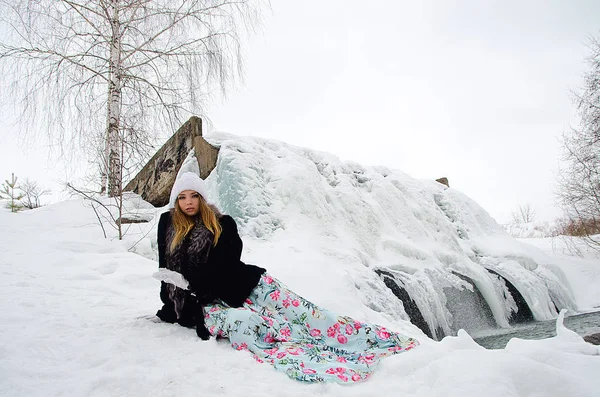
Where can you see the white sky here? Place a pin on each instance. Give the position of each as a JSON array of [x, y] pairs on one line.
[[477, 91]]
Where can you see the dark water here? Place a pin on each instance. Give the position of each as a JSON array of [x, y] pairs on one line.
[[583, 324]]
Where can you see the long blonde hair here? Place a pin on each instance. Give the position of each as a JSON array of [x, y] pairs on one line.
[[183, 223]]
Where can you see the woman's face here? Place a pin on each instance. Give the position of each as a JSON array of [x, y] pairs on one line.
[[189, 202]]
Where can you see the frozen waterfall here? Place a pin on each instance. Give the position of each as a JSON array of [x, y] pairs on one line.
[[411, 248]]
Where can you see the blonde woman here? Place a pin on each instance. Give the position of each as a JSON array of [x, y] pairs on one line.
[[230, 299]]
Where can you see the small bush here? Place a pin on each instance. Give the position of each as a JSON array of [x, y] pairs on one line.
[[577, 227]]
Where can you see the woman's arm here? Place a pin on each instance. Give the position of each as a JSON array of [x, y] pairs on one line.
[[229, 247], [163, 224], [167, 312]]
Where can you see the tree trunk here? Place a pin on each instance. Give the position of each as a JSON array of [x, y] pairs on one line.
[[113, 169]]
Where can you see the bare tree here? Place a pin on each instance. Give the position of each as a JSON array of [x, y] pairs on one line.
[[523, 214], [109, 76], [579, 178], [107, 210], [32, 194]]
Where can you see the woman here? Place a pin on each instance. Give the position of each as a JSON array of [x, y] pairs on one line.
[[230, 299]]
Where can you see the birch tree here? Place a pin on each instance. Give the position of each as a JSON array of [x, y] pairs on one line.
[[111, 76]]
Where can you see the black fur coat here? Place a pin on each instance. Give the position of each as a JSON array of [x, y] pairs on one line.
[[215, 273]]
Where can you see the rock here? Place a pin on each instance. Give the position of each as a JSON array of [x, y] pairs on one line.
[[127, 220], [594, 339], [154, 181], [443, 181]]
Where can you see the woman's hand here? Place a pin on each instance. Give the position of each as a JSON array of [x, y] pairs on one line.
[[202, 332]]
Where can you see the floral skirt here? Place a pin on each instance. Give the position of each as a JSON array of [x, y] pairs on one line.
[[301, 339]]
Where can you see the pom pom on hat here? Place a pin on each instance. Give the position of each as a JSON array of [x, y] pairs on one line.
[[187, 181]]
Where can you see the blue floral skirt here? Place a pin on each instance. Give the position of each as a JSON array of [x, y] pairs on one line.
[[306, 342]]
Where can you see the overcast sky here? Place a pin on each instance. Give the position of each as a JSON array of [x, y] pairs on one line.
[[477, 91]]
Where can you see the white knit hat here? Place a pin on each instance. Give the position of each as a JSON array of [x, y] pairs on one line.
[[187, 181]]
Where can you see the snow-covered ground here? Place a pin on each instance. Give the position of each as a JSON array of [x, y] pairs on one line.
[[580, 264], [565, 247], [71, 299], [538, 229]]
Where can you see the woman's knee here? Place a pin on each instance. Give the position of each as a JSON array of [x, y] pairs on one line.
[[242, 315]]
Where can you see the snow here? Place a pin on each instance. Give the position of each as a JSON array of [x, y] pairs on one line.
[[171, 277], [536, 229], [579, 263], [72, 301]]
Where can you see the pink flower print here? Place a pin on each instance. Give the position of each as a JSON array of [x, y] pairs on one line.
[[258, 359], [213, 309], [269, 338], [357, 325], [268, 320], [285, 332], [341, 360], [356, 377], [268, 279], [309, 345], [340, 370], [243, 346], [295, 303], [272, 351], [349, 329], [212, 330], [367, 359], [331, 332], [342, 339], [275, 295], [383, 333], [343, 377], [315, 332], [309, 371], [331, 371], [248, 301], [286, 303], [336, 326], [294, 351], [281, 355]]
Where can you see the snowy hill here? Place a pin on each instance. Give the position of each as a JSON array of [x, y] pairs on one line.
[[382, 226], [71, 299]]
